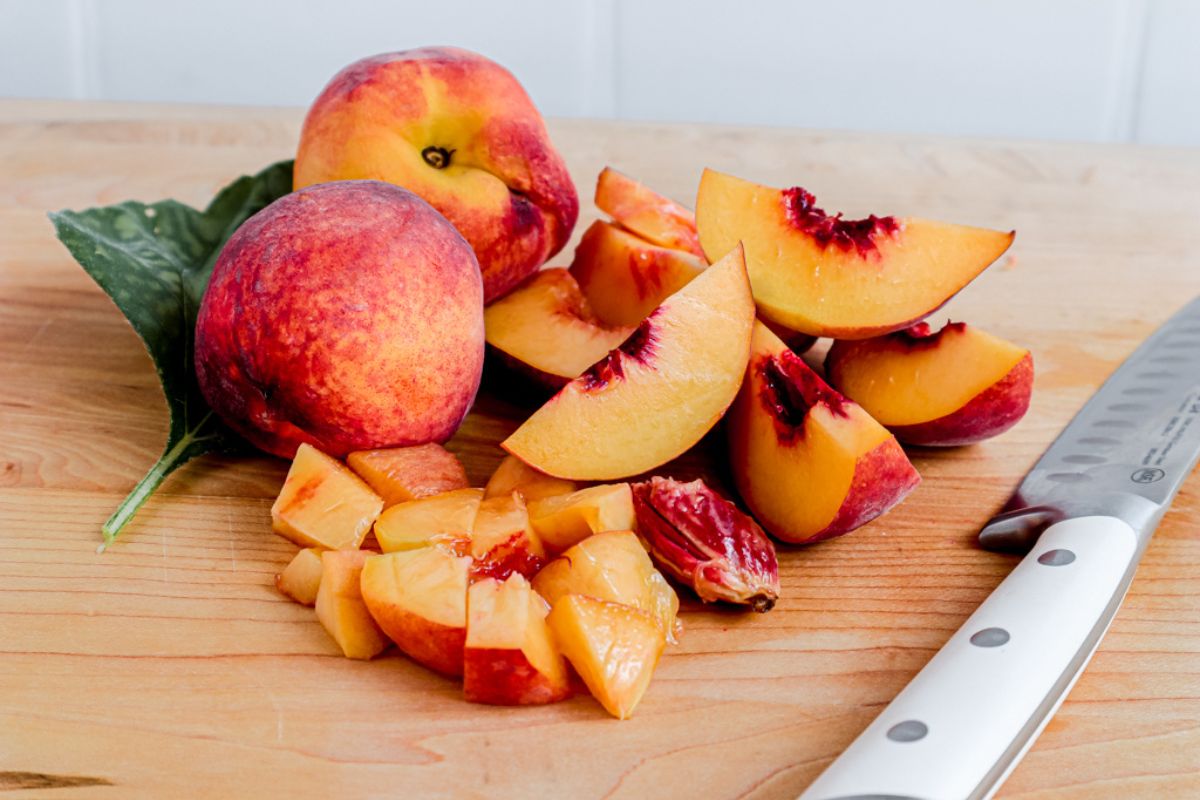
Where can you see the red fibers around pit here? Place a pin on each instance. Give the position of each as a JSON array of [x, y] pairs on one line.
[[639, 346], [859, 235], [790, 389]]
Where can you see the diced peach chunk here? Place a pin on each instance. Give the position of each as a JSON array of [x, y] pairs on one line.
[[503, 541], [323, 504], [510, 656], [419, 599], [400, 474], [447, 518], [566, 519], [514, 475], [301, 578], [611, 566], [340, 606], [613, 647]]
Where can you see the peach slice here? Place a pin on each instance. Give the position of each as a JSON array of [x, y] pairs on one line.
[[809, 463], [613, 647], [419, 599], [646, 212], [656, 395], [511, 658], [611, 566], [955, 386], [827, 276], [626, 277], [503, 541], [548, 329], [400, 474], [447, 517], [341, 608], [301, 578], [323, 504], [566, 519], [514, 475]]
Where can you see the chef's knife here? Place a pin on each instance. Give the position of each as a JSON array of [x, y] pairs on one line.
[[1084, 514]]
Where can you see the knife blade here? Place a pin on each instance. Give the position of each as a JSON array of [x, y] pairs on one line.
[[1084, 514]]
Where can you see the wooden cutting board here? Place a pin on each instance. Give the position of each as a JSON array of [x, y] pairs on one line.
[[170, 667]]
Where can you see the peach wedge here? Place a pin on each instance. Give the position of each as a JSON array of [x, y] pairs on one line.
[[546, 329], [809, 463], [626, 277], [955, 386], [647, 213], [419, 599], [511, 658], [819, 274], [654, 396]]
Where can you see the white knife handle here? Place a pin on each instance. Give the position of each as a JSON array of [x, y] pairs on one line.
[[965, 720]]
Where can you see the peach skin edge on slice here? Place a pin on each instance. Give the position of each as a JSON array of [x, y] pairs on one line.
[[958, 385]]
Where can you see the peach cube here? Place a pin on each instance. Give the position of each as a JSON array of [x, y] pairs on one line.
[[514, 475], [419, 599], [567, 519], [340, 606], [446, 517], [323, 504], [510, 656], [611, 566], [301, 578], [400, 474], [613, 647]]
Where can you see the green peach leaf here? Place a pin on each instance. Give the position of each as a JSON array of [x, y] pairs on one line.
[[154, 261]]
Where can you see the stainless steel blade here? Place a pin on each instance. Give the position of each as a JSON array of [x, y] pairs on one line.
[[1127, 451]]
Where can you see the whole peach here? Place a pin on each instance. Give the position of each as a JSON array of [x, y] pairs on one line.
[[457, 129], [347, 315]]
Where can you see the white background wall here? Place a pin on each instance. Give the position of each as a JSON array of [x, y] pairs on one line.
[[1096, 70]]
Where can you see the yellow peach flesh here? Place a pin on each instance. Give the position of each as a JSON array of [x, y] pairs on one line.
[[613, 647], [323, 504], [566, 519], [514, 475], [625, 277], [447, 517], [340, 606], [907, 385], [301, 578], [826, 291], [547, 324], [400, 474], [641, 407]]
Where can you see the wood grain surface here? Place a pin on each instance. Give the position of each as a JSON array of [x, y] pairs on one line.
[[170, 667]]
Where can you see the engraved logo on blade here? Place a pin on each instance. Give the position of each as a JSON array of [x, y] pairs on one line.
[[1147, 475]]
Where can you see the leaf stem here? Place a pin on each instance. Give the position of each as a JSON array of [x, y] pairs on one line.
[[171, 459]]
